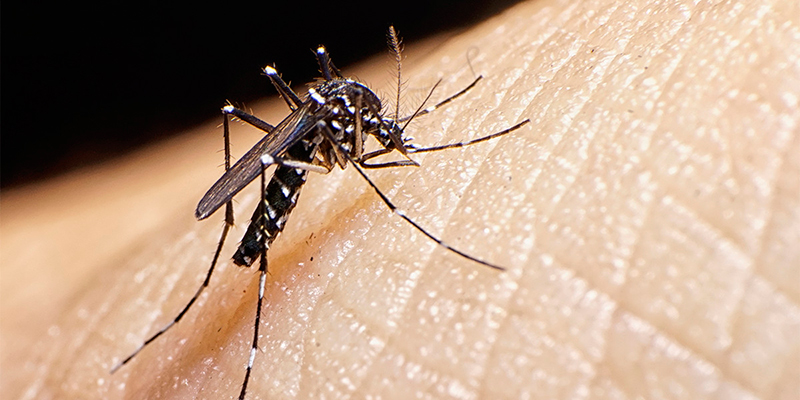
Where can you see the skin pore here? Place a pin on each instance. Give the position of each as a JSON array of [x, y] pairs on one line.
[[647, 218]]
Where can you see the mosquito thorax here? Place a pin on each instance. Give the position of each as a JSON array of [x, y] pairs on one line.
[[345, 91]]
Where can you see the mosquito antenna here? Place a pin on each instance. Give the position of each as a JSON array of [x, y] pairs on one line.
[[228, 224], [396, 44]]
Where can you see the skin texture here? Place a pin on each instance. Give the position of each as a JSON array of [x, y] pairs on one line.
[[647, 217]]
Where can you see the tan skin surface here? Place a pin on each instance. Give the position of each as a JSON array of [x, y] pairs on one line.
[[648, 218]]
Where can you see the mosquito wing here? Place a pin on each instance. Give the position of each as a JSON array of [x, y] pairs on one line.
[[288, 132]]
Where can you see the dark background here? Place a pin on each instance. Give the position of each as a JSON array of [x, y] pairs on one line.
[[86, 82]]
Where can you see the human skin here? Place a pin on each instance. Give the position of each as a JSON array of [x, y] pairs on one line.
[[647, 217]]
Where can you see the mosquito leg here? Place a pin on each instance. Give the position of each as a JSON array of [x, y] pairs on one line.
[[268, 160], [390, 164], [323, 128], [249, 118], [262, 280], [467, 143], [289, 96], [374, 154], [377, 153], [403, 215], [220, 244], [441, 103], [326, 67], [412, 149], [215, 197]]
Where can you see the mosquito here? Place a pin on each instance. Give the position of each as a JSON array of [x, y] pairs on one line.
[[326, 128]]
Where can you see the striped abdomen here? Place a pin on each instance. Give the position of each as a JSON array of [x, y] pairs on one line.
[[281, 197]]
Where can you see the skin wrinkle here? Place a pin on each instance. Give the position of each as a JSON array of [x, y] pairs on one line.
[[627, 213], [773, 201]]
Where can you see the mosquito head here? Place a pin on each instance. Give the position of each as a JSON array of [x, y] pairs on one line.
[[393, 127], [388, 132]]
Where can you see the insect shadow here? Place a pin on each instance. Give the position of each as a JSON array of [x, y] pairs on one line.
[[326, 128]]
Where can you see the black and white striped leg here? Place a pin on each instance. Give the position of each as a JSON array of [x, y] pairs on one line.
[[220, 244], [289, 96], [323, 128], [326, 67], [390, 164], [286, 162], [428, 110], [247, 117], [258, 123], [262, 282], [414, 149]]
